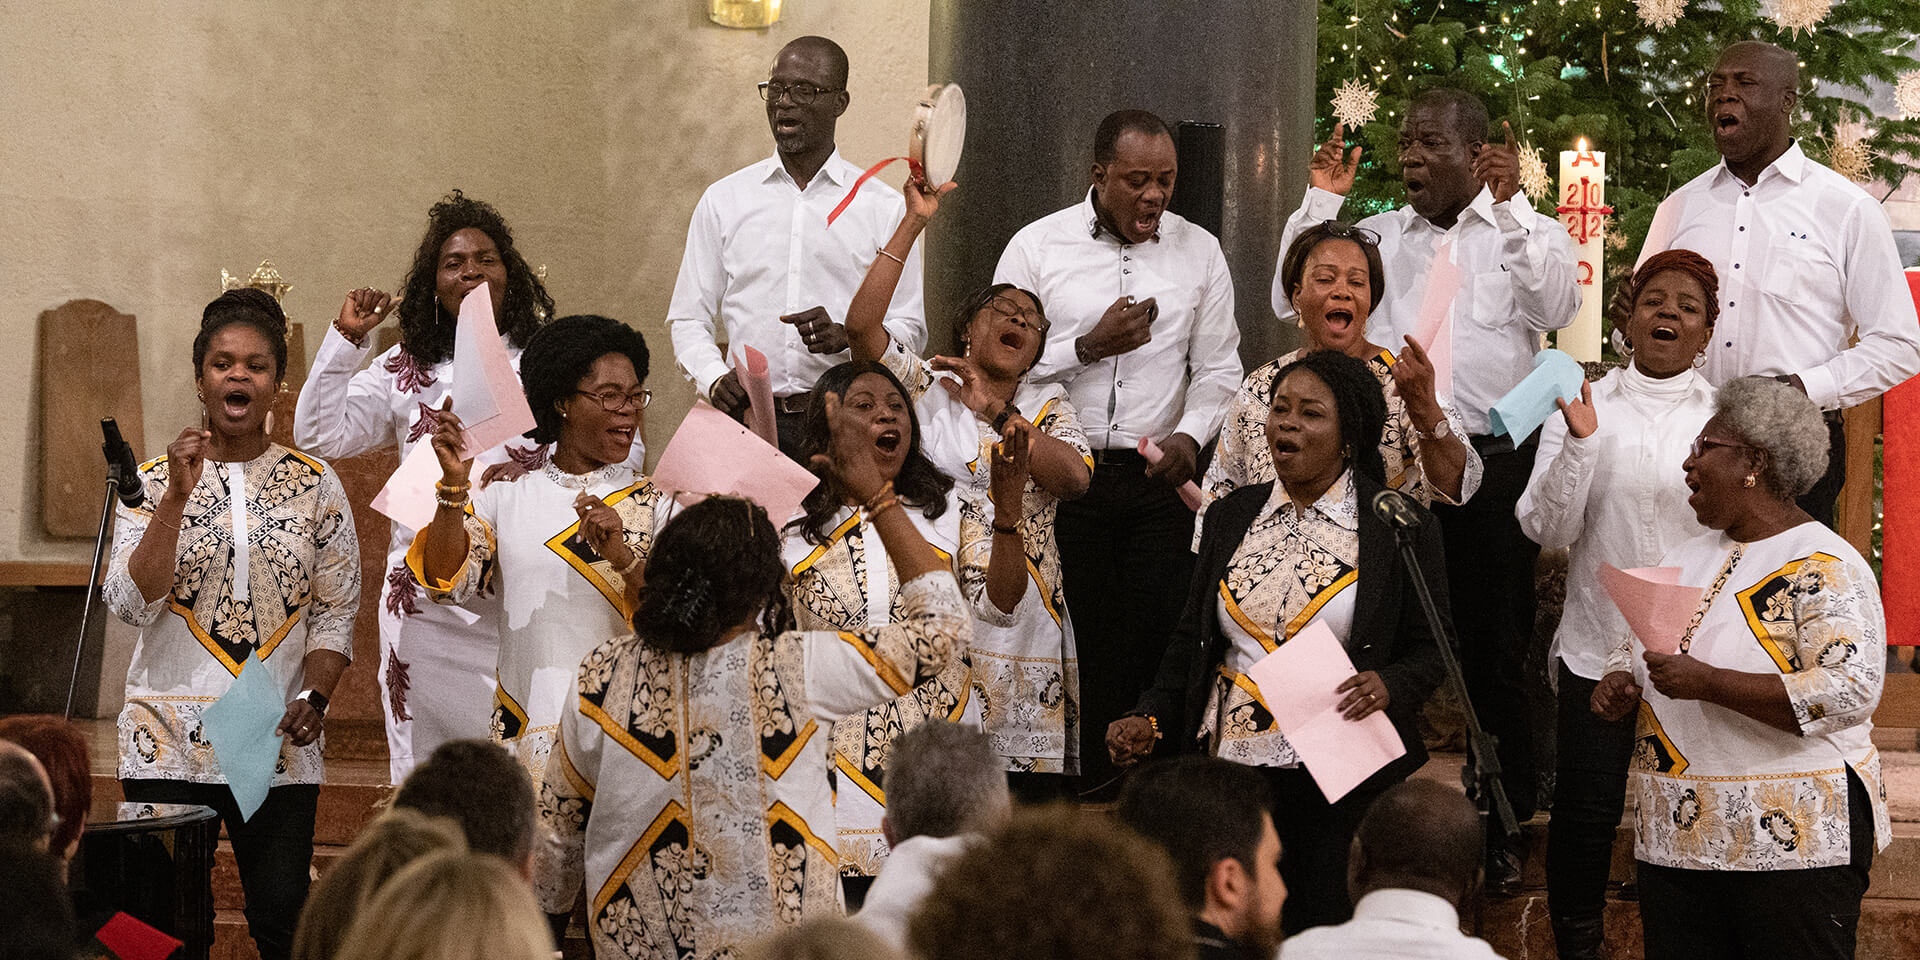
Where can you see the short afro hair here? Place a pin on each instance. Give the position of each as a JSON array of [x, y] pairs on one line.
[[562, 354], [1779, 421], [1466, 113], [1107, 135]]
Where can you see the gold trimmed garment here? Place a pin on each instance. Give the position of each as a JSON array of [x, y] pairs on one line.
[[267, 561], [1718, 790], [689, 792], [1291, 569]]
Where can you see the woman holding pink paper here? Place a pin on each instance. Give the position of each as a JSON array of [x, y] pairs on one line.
[[1024, 662], [1759, 800], [1333, 274], [1606, 484], [1274, 558]]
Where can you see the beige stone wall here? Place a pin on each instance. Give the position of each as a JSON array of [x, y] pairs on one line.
[[144, 147]]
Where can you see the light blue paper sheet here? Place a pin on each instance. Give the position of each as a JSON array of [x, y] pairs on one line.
[[240, 726], [1555, 376]]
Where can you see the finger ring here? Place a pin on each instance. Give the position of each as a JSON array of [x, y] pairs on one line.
[[379, 309]]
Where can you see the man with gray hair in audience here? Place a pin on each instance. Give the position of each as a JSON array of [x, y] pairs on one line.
[[945, 787], [26, 799], [1415, 861]]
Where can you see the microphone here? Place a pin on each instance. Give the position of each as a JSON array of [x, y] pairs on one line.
[[126, 472], [1397, 509]]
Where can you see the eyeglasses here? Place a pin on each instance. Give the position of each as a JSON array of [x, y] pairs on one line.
[[614, 401], [1701, 445], [1005, 306], [801, 93], [1347, 231]]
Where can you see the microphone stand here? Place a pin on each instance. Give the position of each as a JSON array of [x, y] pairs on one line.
[[100, 541], [1481, 773]]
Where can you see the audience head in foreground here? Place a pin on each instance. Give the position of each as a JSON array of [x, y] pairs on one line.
[[1416, 860], [1212, 817], [450, 905], [824, 938], [26, 799], [62, 751], [388, 844], [479, 786], [1059, 884], [38, 923]]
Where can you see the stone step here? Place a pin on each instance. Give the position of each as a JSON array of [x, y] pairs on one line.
[[1518, 929]]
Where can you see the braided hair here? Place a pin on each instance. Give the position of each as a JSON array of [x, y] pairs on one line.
[[920, 484], [712, 566], [253, 307], [1358, 401], [562, 353], [426, 327]]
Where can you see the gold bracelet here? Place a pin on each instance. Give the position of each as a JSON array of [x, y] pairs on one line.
[[883, 252], [885, 491], [445, 487], [628, 570], [175, 526], [875, 512], [1154, 722]]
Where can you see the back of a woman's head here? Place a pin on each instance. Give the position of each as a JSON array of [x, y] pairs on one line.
[[450, 905], [388, 844], [712, 566], [62, 751]]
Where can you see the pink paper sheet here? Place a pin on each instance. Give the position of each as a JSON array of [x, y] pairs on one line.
[[1433, 329], [752, 366], [1654, 601], [488, 399], [712, 453], [1189, 494], [1298, 683]]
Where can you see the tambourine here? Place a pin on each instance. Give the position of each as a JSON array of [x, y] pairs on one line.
[[939, 133]]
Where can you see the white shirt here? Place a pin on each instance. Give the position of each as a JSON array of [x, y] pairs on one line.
[[907, 878], [1516, 283], [1618, 497], [1391, 925], [1806, 260], [759, 247], [1178, 382]]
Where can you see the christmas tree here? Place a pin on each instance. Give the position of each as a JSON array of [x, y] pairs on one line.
[[1627, 75]]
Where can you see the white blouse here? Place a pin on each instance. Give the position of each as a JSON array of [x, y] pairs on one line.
[[1616, 497]]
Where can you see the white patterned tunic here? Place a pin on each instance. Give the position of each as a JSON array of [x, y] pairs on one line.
[[287, 584], [689, 791], [1718, 790]]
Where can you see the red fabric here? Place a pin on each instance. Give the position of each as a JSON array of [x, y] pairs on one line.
[[129, 939], [876, 168], [1900, 521]]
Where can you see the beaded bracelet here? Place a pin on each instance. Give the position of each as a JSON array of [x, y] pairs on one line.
[[455, 501], [444, 487], [885, 491], [359, 340], [883, 252], [873, 511]]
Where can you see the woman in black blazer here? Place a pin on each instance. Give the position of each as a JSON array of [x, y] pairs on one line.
[[1274, 557]]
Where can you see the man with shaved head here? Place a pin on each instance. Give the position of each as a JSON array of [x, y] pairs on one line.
[[760, 263], [1415, 861], [26, 798], [1805, 257]]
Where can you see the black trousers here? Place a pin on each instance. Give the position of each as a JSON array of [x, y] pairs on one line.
[[274, 850], [1315, 839], [1589, 795], [788, 427], [1490, 581], [1819, 502], [1760, 914], [1126, 553]]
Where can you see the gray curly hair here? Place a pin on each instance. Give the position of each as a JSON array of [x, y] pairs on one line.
[[1775, 418]]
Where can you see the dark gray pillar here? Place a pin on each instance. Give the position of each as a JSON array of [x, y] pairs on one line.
[[1040, 75]]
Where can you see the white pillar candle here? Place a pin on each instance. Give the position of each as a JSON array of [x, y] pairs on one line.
[[1583, 209]]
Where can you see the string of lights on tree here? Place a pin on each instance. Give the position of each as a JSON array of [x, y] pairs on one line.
[[1628, 75]]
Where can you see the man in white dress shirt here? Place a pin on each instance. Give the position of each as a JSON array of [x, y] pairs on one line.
[[762, 260], [1416, 860], [1806, 258], [1144, 337], [1517, 282]]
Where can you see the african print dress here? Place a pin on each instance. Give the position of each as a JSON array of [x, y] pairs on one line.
[[559, 599], [1718, 790], [1288, 571], [690, 791], [267, 564], [1244, 459], [1026, 673], [849, 584]]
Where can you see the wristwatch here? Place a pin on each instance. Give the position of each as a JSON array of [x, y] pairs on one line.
[[314, 699], [1441, 431]]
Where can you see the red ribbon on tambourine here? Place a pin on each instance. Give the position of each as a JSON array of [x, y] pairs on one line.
[[912, 165], [933, 145]]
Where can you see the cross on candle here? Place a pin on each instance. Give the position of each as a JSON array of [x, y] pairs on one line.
[[1583, 210]]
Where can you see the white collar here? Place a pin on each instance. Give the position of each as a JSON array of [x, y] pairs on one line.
[[1336, 504], [1791, 164], [1415, 907], [835, 170]]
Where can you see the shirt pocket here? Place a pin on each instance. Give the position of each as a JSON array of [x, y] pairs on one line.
[[1488, 299], [1798, 270]]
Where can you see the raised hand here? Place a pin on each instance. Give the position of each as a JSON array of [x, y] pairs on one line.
[[851, 459], [363, 310], [1007, 486], [1498, 165], [817, 330], [1415, 379], [186, 458], [1581, 419], [923, 200], [1126, 326], [448, 439], [602, 529], [1332, 168]]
